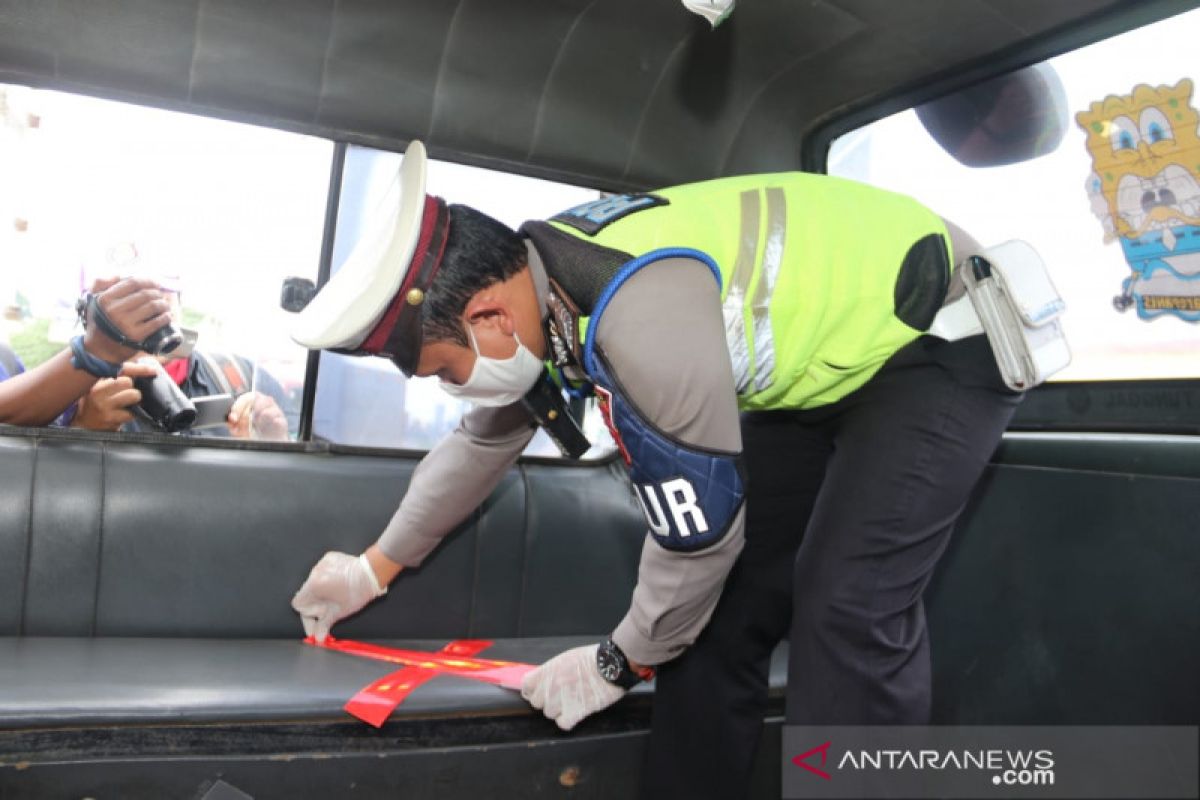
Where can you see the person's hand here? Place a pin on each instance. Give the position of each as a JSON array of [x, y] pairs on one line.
[[106, 406], [257, 415], [338, 586], [569, 687], [135, 305]]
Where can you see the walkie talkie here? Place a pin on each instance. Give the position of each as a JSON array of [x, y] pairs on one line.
[[546, 403]]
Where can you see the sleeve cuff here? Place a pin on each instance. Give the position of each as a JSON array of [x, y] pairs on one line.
[[641, 648]]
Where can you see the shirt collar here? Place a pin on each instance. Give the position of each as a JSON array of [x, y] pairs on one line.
[[541, 281]]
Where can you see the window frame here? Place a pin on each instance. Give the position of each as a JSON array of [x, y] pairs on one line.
[[1098, 406], [303, 440], [814, 147]]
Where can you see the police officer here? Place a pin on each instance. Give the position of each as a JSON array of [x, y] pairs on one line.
[[801, 450]]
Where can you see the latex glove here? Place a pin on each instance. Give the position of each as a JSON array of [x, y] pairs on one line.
[[569, 687], [338, 586]]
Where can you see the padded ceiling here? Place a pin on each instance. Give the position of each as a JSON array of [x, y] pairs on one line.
[[607, 93]]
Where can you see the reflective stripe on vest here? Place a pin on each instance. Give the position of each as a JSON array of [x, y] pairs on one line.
[[813, 301], [748, 318]]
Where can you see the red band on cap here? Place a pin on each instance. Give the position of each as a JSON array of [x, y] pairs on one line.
[[378, 336]]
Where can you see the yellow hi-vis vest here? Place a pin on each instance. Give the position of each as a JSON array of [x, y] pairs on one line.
[[823, 279]]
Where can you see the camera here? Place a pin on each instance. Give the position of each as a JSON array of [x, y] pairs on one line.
[[164, 340], [163, 403]]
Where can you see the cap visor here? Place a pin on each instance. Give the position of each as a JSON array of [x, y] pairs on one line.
[[352, 302]]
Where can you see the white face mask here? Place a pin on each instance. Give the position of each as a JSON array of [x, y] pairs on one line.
[[497, 381]]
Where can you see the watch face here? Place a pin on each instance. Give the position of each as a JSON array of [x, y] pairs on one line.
[[609, 664]]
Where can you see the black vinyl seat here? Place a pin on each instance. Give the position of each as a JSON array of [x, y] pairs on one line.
[[51, 682]]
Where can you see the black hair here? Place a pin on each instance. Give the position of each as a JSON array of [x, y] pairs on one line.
[[480, 251]]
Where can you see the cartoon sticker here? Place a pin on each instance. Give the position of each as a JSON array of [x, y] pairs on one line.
[[1145, 190]]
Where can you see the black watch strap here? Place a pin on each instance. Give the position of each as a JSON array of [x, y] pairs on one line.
[[614, 666]]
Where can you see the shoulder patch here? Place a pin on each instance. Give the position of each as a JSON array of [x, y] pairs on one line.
[[922, 282], [593, 217]]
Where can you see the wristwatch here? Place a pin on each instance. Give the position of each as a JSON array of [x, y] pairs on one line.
[[614, 666]]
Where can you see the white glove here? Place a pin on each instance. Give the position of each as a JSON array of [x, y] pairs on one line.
[[569, 687], [338, 586]]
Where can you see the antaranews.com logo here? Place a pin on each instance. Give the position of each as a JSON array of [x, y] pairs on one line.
[[1130, 762], [1006, 767]]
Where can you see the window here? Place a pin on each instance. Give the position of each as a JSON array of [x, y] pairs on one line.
[[367, 401], [220, 211], [1114, 209]]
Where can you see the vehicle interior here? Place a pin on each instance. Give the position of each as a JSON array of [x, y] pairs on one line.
[[147, 644]]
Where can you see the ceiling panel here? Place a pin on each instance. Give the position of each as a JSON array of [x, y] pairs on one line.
[[610, 93]]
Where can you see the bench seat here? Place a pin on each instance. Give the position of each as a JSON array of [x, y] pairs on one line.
[[155, 717], [46, 682]]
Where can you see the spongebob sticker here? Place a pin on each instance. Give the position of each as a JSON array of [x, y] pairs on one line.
[[1145, 190]]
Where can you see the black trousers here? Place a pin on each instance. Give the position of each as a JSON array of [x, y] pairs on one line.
[[849, 508]]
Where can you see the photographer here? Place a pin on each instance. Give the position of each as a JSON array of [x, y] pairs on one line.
[[40, 395], [182, 375]]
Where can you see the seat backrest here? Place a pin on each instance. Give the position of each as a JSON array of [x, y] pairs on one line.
[[104, 537]]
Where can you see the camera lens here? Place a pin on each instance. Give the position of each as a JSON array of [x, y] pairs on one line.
[[163, 340], [164, 403]]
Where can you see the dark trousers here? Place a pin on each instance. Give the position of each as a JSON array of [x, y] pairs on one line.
[[849, 508]]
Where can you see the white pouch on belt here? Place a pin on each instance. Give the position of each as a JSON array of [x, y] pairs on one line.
[[1010, 298]]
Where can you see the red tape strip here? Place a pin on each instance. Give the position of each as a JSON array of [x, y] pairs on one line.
[[375, 702]]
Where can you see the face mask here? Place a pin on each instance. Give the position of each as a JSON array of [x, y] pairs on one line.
[[497, 381]]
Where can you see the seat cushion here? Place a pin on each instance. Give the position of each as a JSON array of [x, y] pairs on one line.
[[46, 681]]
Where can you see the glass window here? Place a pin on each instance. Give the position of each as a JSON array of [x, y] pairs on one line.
[[218, 212], [1114, 209], [367, 401]]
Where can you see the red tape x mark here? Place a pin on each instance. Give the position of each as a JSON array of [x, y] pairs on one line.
[[376, 701]]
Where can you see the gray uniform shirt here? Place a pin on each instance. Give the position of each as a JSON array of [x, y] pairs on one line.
[[664, 336]]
